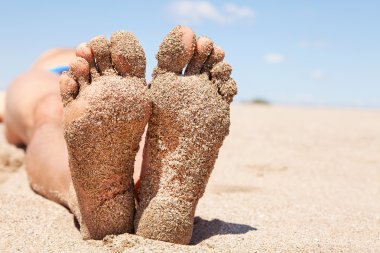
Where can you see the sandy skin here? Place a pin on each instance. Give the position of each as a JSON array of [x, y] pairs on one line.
[[190, 119], [105, 114], [106, 107]]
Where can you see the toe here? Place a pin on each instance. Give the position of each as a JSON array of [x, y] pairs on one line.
[[220, 76], [217, 55], [176, 49], [127, 55], [80, 69], [202, 51], [221, 71], [227, 89], [69, 87], [101, 51], [84, 51]]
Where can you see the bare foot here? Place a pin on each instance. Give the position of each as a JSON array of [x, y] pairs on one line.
[[190, 119], [106, 110]]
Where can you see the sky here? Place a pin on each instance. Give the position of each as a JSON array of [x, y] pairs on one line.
[[315, 53]]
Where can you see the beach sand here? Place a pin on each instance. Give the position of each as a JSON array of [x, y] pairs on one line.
[[286, 180]]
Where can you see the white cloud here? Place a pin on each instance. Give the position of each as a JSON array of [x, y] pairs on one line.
[[239, 12], [196, 11], [316, 44], [274, 58], [318, 74]]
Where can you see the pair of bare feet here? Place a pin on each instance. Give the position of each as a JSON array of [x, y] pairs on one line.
[[107, 106]]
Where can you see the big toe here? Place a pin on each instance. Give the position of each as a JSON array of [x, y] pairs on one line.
[[176, 49], [127, 55], [100, 49]]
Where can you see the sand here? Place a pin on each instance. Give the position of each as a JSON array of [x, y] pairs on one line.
[[103, 126], [203, 49], [174, 54], [190, 119], [286, 180]]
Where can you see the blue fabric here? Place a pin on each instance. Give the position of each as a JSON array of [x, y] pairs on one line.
[[59, 70]]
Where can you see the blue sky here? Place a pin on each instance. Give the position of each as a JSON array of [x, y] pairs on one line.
[[289, 52]]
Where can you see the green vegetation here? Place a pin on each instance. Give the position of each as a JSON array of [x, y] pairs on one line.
[[260, 101]]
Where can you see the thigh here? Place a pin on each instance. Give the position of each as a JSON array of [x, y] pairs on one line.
[[22, 97]]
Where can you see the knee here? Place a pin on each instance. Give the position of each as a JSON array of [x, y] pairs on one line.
[[48, 109], [54, 57]]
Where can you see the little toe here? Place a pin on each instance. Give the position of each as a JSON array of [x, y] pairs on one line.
[[127, 55], [80, 69], [202, 51], [176, 49], [69, 87], [217, 55], [84, 51], [101, 51], [220, 76], [228, 90]]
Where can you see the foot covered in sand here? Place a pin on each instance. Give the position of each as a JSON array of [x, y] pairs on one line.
[[106, 108], [189, 121]]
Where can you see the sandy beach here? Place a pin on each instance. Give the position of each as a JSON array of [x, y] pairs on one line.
[[288, 179]]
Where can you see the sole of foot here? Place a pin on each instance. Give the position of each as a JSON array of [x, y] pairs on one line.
[[106, 108], [189, 121]]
